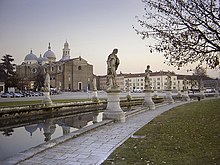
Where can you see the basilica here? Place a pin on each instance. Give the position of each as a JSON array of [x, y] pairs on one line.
[[66, 74]]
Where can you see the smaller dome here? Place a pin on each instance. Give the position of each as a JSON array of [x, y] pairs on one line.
[[41, 59], [30, 56]]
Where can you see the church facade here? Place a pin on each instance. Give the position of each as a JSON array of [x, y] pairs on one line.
[[67, 74]]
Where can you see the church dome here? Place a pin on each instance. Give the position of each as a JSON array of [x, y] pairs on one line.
[[30, 57], [31, 128], [49, 53]]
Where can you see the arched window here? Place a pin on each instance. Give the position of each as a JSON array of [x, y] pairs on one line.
[[59, 68]]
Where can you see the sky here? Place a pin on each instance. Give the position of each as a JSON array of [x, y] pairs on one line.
[[93, 28]]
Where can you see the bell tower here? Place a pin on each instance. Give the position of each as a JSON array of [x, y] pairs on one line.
[[66, 52]]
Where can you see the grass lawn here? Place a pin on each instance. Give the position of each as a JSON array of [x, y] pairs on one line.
[[188, 135], [17, 103]]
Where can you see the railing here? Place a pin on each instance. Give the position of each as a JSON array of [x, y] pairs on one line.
[[16, 111]]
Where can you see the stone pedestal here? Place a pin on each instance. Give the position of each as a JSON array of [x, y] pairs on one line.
[[95, 116], [148, 102], [155, 94], [216, 93], [47, 100], [95, 97], [129, 97], [169, 97], [202, 94], [179, 94], [113, 110], [186, 96]]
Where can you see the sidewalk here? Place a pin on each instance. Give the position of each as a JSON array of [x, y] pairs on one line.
[[95, 146]]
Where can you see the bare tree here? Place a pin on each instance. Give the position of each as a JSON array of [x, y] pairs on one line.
[[200, 71], [186, 31]]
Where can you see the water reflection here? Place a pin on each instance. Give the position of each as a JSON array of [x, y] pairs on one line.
[[16, 139]]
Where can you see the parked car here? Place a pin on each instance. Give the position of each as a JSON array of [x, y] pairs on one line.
[[28, 94], [39, 93], [16, 95], [21, 94], [6, 95]]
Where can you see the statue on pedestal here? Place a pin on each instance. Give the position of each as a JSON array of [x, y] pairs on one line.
[[112, 65], [148, 102], [186, 94], [95, 97], [185, 83], [47, 83], [47, 100], [113, 109], [169, 82], [94, 84], [147, 78]]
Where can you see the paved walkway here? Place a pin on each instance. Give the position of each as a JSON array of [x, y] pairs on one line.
[[95, 146]]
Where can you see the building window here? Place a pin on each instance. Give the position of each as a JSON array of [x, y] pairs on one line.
[[79, 67], [52, 69], [34, 70], [45, 70], [59, 68], [158, 78]]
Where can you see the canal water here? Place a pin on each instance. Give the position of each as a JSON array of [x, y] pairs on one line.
[[15, 139]]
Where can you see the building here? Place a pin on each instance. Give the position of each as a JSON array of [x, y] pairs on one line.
[[67, 74], [101, 82], [136, 82]]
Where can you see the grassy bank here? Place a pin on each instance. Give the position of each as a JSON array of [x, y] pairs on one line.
[[19, 103], [188, 134]]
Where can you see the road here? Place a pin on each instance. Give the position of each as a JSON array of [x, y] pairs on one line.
[[68, 95], [79, 95]]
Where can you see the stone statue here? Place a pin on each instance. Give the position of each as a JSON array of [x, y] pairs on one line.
[[185, 83], [169, 82], [112, 66], [94, 84], [147, 77], [47, 83], [201, 85]]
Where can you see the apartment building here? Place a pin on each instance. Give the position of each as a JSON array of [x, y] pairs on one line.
[[136, 82]]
